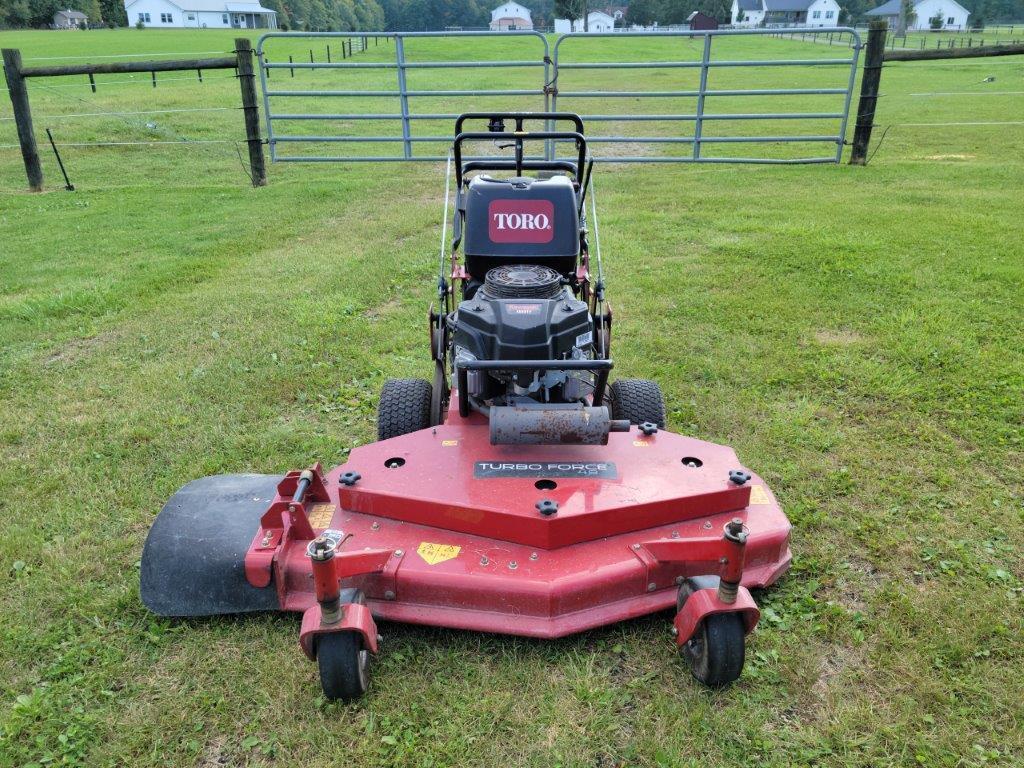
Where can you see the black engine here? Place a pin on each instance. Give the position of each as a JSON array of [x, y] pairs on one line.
[[525, 312]]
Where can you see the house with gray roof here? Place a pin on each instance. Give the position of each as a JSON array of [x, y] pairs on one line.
[[951, 14], [69, 19], [201, 14], [785, 13]]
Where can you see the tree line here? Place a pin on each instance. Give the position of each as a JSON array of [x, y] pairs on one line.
[[414, 15], [665, 12]]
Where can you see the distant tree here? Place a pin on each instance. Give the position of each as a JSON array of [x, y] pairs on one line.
[[114, 12], [907, 17], [572, 10], [643, 12], [716, 9], [935, 22]]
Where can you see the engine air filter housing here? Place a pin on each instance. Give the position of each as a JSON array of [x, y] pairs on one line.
[[522, 281]]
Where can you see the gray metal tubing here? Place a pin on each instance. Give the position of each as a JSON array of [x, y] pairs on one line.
[[510, 92], [695, 139], [696, 64], [698, 125], [704, 33], [846, 103], [737, 116], [332, 65], [642, 159], [408, 65], [365, 116], [404, 96], [261, 65], [670, 94]]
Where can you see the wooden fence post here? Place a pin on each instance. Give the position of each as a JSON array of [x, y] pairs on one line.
[[23, 118], [868, 91], [247, 81]]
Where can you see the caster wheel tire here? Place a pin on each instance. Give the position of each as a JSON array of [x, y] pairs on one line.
[[405, 406], [343, 660], [344, 665], [637, 400], [717, 650]]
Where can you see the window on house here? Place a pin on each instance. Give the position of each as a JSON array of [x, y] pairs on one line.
[[950, 21], [817, 15], [144, 17], [224, 18], [166, 18], [191, 17], [829, 14]]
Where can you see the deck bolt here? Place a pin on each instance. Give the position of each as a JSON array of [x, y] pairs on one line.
[[512, 565], [389, 595], [636, 546], [375, 527], [707, 525], [399, 553], [675, 534], [534, 555], [674, 632], [484, 560], [651, 587]]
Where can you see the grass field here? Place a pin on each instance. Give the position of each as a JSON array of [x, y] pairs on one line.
[[855, 333]]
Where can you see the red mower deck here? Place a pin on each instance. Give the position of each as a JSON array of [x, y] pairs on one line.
[[617, 547]]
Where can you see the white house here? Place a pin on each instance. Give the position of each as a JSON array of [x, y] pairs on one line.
[[69, 19], [785, 13], [952, 14], [747, 13], [597, 21], [200, 14], [510, 15]]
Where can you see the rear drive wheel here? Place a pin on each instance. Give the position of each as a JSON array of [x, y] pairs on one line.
[[717, 650], [637, 400], [343, 660], [404, 407]]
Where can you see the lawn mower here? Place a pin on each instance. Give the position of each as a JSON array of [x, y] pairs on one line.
[[519, 491]]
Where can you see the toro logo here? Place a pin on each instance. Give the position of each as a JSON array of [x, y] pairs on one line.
[[521, 221]]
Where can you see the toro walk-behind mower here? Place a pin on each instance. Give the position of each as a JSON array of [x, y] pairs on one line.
[[531, 497]]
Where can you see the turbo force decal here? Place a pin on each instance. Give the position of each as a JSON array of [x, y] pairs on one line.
[[492, 469], [521, 221]]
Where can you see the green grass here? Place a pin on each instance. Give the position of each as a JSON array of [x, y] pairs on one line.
[[853, 332]]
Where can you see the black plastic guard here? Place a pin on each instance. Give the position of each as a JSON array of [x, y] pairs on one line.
[[193, 563]]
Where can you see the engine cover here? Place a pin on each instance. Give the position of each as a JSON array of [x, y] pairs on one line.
[[523, 329]]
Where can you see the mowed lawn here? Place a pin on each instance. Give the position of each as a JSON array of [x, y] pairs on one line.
[[855, 334]]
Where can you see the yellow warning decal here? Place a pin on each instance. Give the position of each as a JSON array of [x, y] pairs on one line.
[[433, 554], [758, 495], [449, 443], [641, 443], [320, 515]]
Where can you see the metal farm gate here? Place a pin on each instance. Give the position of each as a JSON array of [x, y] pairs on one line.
[[383, 104]]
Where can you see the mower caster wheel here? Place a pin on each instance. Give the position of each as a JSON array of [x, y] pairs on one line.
[[343, 660], [405, 406], [716, 651], [638, 400]]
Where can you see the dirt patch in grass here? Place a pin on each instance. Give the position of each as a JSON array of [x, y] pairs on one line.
[[834, 661], [838, 337], [215, 754], [79, 349]]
